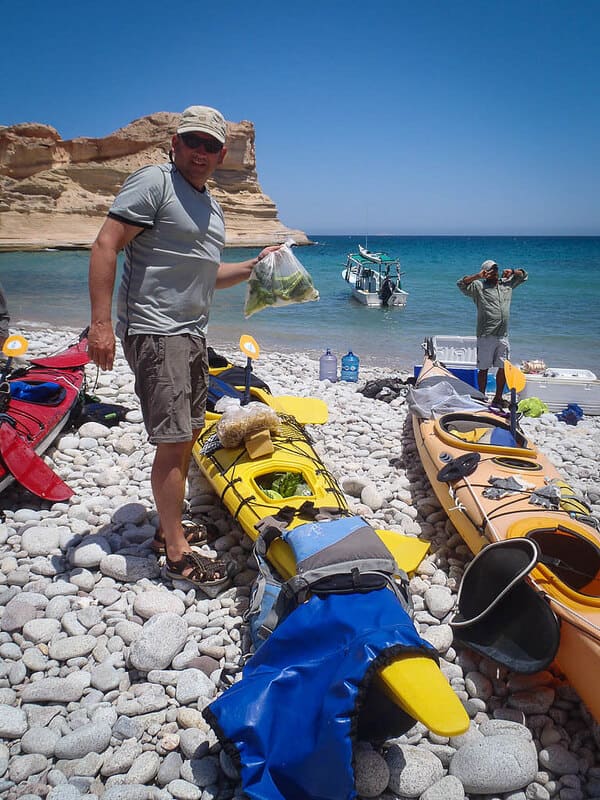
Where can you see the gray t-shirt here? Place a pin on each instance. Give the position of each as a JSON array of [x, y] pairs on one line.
[[171, 266]]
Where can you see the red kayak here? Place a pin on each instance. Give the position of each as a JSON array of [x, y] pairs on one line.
[[35, 405]]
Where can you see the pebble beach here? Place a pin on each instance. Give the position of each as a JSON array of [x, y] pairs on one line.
[[106, 665]]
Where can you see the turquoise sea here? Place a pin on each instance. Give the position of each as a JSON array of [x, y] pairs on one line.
[[555, 315]]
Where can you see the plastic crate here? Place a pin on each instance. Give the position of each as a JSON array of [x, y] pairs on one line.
[[456, 351]]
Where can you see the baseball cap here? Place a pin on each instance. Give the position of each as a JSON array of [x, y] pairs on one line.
[[205, 120], [489, 264]]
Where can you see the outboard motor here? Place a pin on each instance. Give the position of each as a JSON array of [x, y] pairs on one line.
[[387, 290]]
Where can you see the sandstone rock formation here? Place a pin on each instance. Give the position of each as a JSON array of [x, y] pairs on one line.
[[56, 192]]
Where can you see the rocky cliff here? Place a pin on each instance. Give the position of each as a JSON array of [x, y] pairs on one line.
[[55, 192]]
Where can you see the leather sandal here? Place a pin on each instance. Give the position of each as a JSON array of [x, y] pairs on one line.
[[203, 571], [196, 533]]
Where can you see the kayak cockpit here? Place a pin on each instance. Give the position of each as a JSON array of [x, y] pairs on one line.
[[572, 558], [483, 433]]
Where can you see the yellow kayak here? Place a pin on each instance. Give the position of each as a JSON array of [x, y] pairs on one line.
[[567, 573], [245, 486]]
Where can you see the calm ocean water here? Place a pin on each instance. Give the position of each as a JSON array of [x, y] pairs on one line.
[[555, 315]]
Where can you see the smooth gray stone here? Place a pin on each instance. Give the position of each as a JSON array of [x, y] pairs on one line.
[[121, 758], [8, 697], [170, 768], [13, 722], [135, 791], [412, 769], [40, 540], [41, 716], [90, 552], [57, 607], [71, 647], [192, 684], [92, 738], [157, 601], [162, 638], [40, 740], [86, 767], [17, 673], [193, 743], [448, 788], [60, 588], [129, 569], [17, 612], [144, 768], [105, 677], [371, 773], [127, 728], [21, 767], [128, 630], [183, 790], [201, 771], [60, 690], [40, 631], [4, 757], [10, 650], [558, 759], [500, 763], [64, 791], [89, 616]]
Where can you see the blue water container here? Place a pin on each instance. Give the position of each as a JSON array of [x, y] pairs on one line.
[[328, 367], [350, 364]]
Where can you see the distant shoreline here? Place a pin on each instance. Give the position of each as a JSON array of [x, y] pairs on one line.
[[40, 247], [28, 247]]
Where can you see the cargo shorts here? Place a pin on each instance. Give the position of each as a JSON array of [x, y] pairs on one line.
[[171, 381], [491, 351]]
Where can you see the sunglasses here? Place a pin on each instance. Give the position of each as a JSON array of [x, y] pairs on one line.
[[194, 142]]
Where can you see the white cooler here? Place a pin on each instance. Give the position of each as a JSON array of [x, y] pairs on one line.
[[558, 387]]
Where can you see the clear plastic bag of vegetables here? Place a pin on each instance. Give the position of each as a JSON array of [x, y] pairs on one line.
[[278, 279]]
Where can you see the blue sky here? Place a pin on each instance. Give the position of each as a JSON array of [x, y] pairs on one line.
[[380, 116]]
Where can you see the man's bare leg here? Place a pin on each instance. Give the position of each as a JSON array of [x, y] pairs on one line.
[[169, 473]]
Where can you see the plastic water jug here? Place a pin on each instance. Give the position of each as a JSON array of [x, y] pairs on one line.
[[328, 366], [350, 364]]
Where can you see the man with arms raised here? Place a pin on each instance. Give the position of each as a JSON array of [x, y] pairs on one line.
[[173, 233], [492, 298]]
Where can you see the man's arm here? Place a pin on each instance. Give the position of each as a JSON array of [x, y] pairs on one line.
[[465, 282], [230, 274], [514, 276], [113, 237]]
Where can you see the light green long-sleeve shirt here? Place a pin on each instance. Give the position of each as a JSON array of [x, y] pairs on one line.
[[4, 318], [493, 302]]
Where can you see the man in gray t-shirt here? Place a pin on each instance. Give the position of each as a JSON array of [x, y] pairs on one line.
[[173, 234]]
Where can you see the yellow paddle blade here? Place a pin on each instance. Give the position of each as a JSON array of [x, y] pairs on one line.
[[249, 346], [307, 410], [408, 551], [418, 686], [515, 379], [15, 345]]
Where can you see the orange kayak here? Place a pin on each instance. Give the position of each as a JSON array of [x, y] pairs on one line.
[[567, 572]]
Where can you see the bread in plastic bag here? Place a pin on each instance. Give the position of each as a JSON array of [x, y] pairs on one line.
[[238, 423], [278, 279]]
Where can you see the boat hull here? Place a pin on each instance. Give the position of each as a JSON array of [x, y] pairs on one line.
[[481, 520], [398, 298]]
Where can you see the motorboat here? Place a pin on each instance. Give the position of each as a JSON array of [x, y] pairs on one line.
[[375, 279]]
